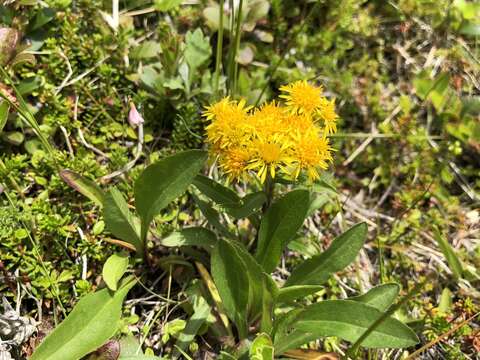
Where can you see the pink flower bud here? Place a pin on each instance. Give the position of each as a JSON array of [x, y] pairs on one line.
[[134, 117]]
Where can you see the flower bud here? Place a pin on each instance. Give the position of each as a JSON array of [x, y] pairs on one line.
[[134, 117]]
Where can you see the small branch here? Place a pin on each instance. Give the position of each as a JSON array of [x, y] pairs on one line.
[[440, 338], [69, 75], [130, 165], [67, 140]]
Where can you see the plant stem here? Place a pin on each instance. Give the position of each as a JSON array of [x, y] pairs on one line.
[[230, 48], [268, 188], [237, 47], [219, 48]]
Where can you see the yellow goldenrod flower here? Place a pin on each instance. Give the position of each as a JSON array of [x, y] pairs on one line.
[[269, 157], [275, 138], [225, 118], [328, 115], [301, 97], [234, 162], [312, 154]]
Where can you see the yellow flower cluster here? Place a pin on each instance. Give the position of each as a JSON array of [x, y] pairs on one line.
[[276, 138]]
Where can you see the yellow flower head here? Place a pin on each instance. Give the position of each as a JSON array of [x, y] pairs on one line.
[[301, 97], [277, 138], [234, 162], [225, 116], [270, 156], [328, 115]]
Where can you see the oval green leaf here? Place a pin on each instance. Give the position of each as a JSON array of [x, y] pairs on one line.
[[248, 205], [164, 181], [83, 185], [4, 109], [279, 226], [348, 320], [194, 236], [380, 297], [120, 221], [216, 191], [114, 268], [92, 322], [292, 293], [342, 251], [231, 278]]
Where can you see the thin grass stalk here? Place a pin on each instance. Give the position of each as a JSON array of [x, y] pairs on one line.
[[238, 32], [26, 115], [231, 48], [415, 354], [290, 42], [219, 48]]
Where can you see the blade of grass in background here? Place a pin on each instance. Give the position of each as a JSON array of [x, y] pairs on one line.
[[26, 115], [219, 47]]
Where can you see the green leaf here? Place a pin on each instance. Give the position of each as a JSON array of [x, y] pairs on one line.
[[269, 296], [92, 321], [129, 346], [261, 348], [256, 280], [248, 205], [438, 95], [292, 293], [120, 221], [164, 181], [454, 263], [212, 17], [216, 191], [83, 185], [4, 110], [14, 137], [469, 10], [470, 28], [129, 350], [348, 320], [435, 90], [230, 275], [230, 259], [29, 85], [423, 84], [201, 311], [194, 236], [279, 225], [166, 5], [146, 49], [340, 254], [212, 216], [42, 17], [446, 303], [380, 297], [285, 337], [470, 105], [197, 49], [114, 268]]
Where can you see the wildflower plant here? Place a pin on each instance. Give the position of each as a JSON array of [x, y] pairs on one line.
[[283, 142]]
